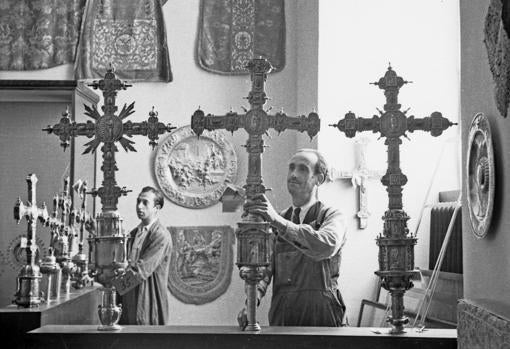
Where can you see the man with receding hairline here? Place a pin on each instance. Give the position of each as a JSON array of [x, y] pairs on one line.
[[305, 260]]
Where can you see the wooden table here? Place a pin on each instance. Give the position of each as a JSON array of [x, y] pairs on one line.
[[212, 337]]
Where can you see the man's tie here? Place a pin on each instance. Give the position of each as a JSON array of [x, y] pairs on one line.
[[295, 215]]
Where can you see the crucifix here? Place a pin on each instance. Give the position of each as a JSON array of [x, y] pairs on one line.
[[108, 246], [253, 232], [396, 247], [27, 282], [359, 177]]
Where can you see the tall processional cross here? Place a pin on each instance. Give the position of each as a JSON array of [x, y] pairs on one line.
[[109, 257], [396, 247], [253, 233]]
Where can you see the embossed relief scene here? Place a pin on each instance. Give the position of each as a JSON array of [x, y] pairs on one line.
[[207, 101], [194, 172], [198, 257]]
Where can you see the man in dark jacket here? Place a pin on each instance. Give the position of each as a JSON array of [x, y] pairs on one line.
[[145, 301]]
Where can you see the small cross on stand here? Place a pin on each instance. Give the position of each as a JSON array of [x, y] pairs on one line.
[[253, 232], [27, 288], [396, 248], [359, 177], [108, 247], [64, 236], [81, 275]]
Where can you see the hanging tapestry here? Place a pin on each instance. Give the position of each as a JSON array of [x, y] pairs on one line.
[[38, 34], [232, 32], [498, 52], [201, 262], [128, 34]]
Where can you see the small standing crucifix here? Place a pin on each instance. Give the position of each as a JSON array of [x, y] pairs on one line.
[[396, 248], [27, 290], [359, 177], [253, 233]]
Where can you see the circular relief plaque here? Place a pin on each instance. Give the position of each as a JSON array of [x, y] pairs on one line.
[[480, 175], [194, 172]]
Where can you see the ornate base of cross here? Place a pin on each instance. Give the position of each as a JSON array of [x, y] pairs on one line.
[[396, 267], [27, 289], [252, 254], [53, 274], [109, 258]]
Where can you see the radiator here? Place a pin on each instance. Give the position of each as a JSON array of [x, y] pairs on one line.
[[440, 217]]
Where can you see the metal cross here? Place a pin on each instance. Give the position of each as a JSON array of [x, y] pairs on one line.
[[396, 248], [253, 233], [109, 129], [27, 293]]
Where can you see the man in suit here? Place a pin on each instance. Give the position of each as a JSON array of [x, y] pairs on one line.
[[145, 300], [305, 260]]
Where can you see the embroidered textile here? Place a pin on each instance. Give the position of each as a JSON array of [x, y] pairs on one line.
[[498, 52], [232, 32], [130, 35], [38, 34]]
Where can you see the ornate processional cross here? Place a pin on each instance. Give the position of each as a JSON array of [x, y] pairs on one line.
[[253, 233], [109, 129], [396, 248], [27, 290], [109, 256]]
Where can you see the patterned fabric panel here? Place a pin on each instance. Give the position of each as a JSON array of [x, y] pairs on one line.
[[38, 34], [128, 34], [231, 32]]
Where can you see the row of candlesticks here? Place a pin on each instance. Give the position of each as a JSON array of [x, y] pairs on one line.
[[66, 263]]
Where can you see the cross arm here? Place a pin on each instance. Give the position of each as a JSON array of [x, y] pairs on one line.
[[66, 129], [351, 124], [281, 122], [151, 128], [230, 122], [435, 124]]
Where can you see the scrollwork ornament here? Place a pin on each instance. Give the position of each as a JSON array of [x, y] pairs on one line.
[[480, 172], [194, 172]]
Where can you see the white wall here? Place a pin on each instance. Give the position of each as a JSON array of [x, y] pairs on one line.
[[357, 39]]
